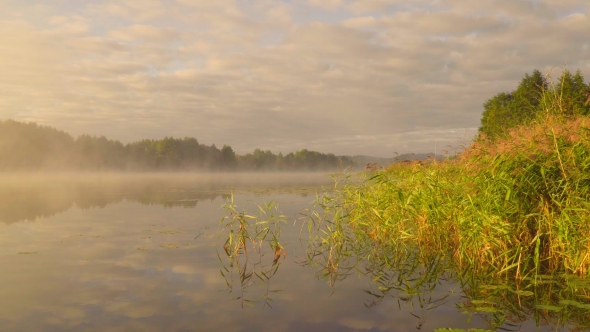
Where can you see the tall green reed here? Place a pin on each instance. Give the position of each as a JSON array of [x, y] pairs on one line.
[[515, 208], [508, 219], [411, 271]]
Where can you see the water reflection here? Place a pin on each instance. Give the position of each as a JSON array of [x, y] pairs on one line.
[[27, 197], [424, 281], [130, 254], [125, 266]]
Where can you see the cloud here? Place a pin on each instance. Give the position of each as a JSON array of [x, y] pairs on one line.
[[133, 10], [258, 76], [145, 33], [363, 6], [325, 4]]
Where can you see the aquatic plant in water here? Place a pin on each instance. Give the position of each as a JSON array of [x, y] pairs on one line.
[[507, 219], [417, 276], [250, 261]]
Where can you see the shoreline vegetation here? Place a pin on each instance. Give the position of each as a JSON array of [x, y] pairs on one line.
[[507, 218], [516, 205]]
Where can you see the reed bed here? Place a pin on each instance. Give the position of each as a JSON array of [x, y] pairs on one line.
[[516, 207], [507, 219]]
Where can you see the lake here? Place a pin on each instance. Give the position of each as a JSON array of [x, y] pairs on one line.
[[116, 252]]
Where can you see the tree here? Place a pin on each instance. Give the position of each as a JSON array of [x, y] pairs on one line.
[[168, 152], [528, 96], [228, 157], [497, 115], [532, 96], [570, 94]]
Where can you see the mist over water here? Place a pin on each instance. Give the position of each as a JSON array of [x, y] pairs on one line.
[[28, 196], [170, 179]]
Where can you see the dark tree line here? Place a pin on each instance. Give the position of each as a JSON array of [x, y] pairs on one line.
[[535, 94], [28, 146]]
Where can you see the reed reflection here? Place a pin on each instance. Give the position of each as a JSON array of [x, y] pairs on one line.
[[421, 278]]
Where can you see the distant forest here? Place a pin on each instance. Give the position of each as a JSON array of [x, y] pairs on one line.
[[30, 147]]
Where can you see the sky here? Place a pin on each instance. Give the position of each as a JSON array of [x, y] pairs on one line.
[[369, 77]]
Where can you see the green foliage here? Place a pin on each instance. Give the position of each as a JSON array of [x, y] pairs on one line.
[[499, 114], [568, 96], [506, 110], [534, 96]]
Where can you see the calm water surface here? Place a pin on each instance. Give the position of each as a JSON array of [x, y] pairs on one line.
[[141, 253]]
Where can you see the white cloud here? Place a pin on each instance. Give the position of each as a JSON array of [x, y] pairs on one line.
[[363, 6], [140, 33], [134, 10], [325, 4], [69, 25], [256, 76]]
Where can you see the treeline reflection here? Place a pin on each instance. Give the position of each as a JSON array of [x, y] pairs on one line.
[[30, 197], [29, 204]]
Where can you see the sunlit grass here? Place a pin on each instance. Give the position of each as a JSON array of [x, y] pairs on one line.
[[516, 207], [507, 219]]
